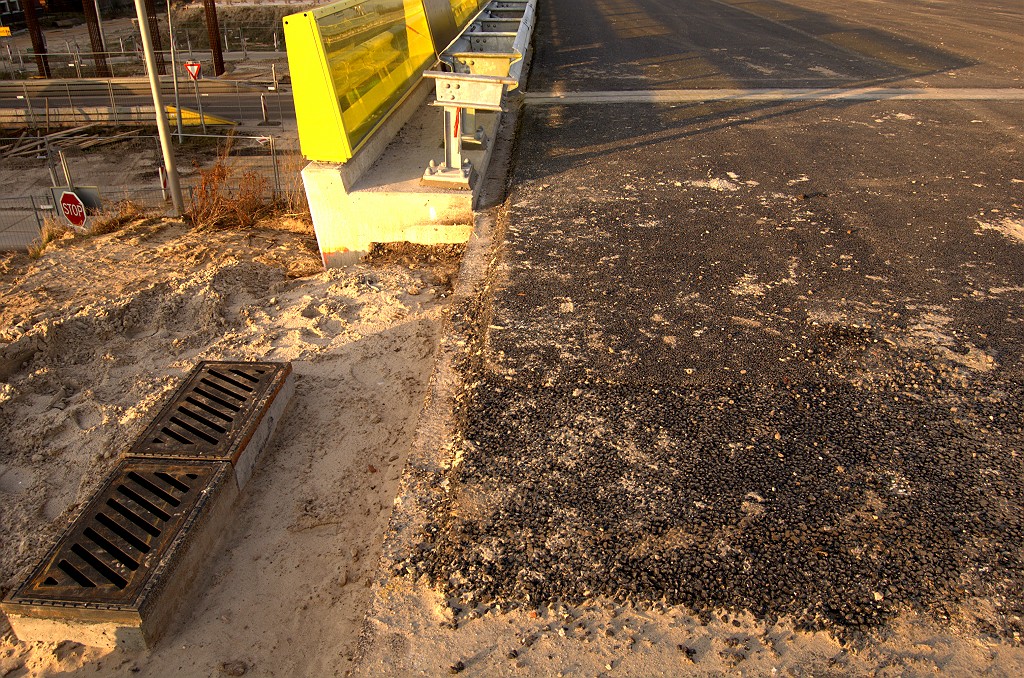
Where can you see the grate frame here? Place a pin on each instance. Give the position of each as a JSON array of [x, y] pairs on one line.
[[212, 416], [95, 550]]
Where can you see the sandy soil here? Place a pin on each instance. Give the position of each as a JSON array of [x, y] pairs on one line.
[[97, 332]]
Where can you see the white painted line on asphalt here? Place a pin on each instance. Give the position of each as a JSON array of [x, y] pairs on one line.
[[671, 96]]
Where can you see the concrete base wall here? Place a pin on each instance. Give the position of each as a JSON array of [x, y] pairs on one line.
[[379, 196], [101, 634], [347, 224]]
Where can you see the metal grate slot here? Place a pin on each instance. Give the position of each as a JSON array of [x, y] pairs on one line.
[[111, 548], [183, 425], [123, 531], [233, 382], [223, 389], [145, 504], [102, 568], [247, 377], [192, 400], [132, 516], [122, 535], [220, 401], [71, 571], [215, 412], [172, 481], [203, 421], [161, 494]]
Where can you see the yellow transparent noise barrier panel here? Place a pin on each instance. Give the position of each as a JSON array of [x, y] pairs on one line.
[[350, 63], [463, 11]]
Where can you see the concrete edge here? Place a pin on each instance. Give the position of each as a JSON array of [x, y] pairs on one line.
[[432, 453], [381, 137]]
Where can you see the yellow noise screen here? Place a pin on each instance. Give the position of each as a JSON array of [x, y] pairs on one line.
[[350, 63]]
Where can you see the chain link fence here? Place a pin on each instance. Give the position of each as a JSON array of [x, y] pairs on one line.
[[264, 165], [21, 221]]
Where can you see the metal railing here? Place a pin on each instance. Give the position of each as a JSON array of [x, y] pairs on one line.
[[480, 66], [124, 55], [53, 103]]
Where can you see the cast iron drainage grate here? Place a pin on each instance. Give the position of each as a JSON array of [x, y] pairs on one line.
[[118, 572], [225, 411]]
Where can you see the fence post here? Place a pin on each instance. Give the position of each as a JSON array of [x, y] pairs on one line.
[[238, 100], [35, 213], [277, 174], [263, 108], [113, 101], [71, 104], [28, 102]]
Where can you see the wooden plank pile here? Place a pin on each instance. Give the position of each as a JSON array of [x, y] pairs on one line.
[[28, 146]]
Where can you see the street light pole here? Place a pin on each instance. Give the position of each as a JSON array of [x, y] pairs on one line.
[[161, 112]]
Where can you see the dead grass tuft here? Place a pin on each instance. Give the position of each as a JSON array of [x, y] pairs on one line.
[[217, 203], [208, 204], [123, 213], [249, 204], [53, 229], [293, 200]]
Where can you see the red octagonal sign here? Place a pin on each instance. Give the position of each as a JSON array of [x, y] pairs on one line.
[[73, 209]]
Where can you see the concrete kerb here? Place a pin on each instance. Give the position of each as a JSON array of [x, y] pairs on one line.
[[395, 601]]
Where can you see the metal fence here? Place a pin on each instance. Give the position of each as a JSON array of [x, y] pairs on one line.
[[260, 164], [54, 103], [125, 58], [21, 221]]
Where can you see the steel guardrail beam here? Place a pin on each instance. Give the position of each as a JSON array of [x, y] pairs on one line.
[[479, 67]]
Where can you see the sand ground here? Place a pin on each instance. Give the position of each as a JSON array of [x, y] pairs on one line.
[[97, 332]]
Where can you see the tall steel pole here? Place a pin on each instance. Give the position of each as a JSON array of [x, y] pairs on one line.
[[99, 23], [38, 41], [161, 112], [154, 36], [99, 50], [213, 31]]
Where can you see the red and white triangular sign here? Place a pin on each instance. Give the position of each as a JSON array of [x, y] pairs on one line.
[[194, 69]]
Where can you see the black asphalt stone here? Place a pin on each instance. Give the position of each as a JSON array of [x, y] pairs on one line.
[[752, 357]]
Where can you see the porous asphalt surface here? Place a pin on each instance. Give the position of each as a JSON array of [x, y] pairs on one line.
[[680, 44], [761, 357]]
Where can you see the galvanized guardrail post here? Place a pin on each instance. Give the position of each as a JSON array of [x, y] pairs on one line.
[[482, 64]]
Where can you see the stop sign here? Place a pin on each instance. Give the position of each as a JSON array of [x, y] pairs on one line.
[[73, 209]]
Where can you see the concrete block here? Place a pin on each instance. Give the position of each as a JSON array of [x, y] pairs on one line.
[[356, 204]]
